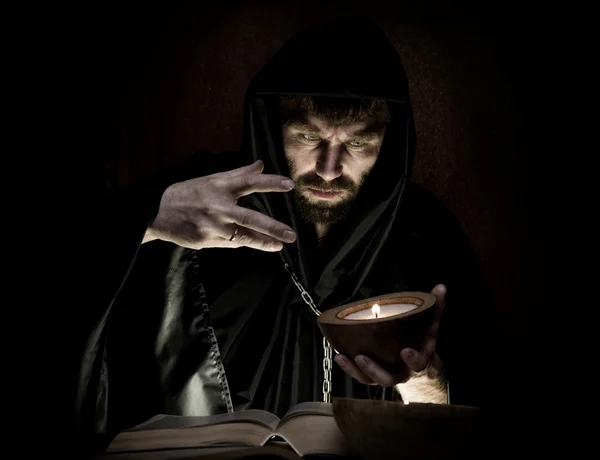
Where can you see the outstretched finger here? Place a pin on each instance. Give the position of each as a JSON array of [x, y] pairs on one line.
[[245, 184], [376, 372], [350, 368], [259, 222], [251, 239]]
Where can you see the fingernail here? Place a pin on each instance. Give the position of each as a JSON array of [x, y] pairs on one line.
[[289, 236], [362, 362], [288, 183]]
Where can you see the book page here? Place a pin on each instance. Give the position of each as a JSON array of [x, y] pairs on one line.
[[162, 421], [192, 453], [225, 434], [309, 407], [310, 434]]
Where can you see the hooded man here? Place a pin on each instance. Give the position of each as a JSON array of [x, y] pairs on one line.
[[213, 318]]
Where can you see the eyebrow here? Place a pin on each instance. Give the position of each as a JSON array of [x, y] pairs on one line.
[[366, 133], [303, 126]]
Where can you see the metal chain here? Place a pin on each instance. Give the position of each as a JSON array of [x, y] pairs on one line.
[[327, 371], [327, 359]]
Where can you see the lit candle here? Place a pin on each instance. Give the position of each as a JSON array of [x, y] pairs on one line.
[[382, 311]]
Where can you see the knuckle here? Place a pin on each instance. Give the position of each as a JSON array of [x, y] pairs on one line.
[[246, 219], [210, 211], [216, 182], [205, 209], [247, 181], [199, 230], [243, 240], [216, 209]]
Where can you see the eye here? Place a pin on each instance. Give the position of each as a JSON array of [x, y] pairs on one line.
[[356, 143], [311, 137]]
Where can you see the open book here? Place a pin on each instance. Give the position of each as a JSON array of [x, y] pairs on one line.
[[308, 428]]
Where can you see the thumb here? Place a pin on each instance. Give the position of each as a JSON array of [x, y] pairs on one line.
[[256, 167], [439, 291]]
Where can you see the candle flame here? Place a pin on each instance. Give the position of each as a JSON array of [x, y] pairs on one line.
[[375, 310]]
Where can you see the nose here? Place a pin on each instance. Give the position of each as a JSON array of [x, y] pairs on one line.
[[329, 164]]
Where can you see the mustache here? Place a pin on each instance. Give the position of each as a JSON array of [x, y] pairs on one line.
[[313, 181]]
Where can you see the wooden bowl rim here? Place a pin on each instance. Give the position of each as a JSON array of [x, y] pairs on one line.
[[425, 299]]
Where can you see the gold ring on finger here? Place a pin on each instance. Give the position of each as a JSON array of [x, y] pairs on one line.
[[235, 232]]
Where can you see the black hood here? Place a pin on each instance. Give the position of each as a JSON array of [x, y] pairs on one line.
[[349, 58]]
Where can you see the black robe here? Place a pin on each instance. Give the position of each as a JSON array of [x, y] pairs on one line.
[[172, 330]]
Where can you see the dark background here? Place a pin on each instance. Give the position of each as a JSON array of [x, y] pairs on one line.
[[130, 91]]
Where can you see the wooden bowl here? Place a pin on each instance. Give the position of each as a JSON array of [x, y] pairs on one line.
[[381, 339], [378, 429]]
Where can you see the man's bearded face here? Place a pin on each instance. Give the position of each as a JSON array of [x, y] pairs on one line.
[[329, 164]]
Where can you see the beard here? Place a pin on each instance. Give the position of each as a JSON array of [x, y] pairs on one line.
[[324, 212]]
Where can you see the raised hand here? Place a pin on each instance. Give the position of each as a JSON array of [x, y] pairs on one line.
[[203, 212]]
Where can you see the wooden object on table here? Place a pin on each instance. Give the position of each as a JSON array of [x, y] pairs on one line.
[[378, 429], [380, 338]]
